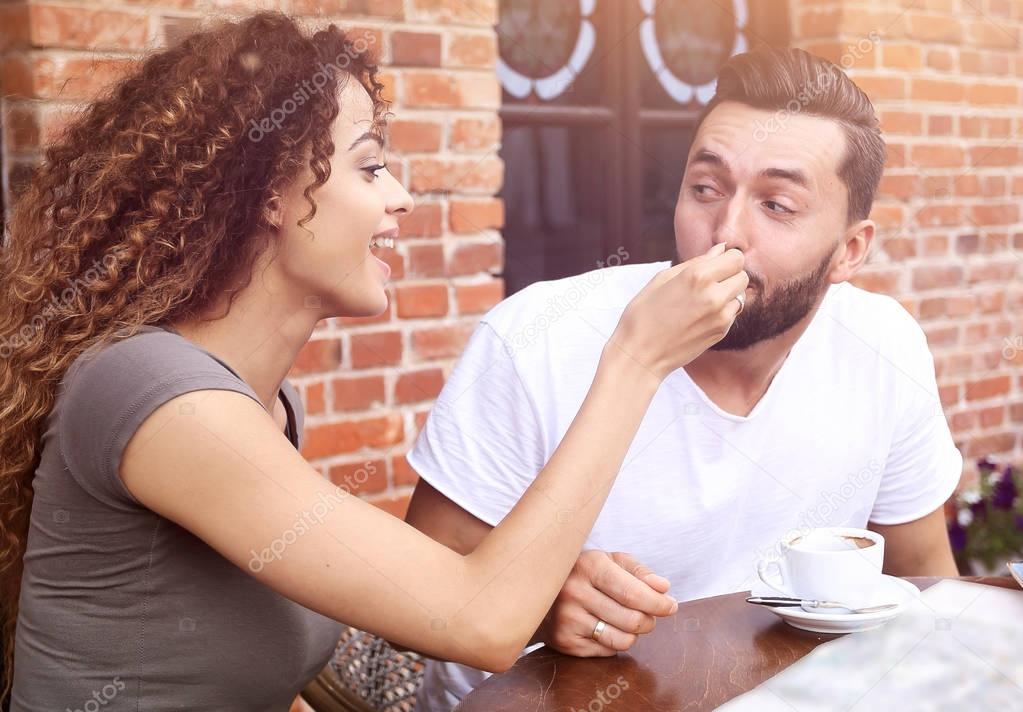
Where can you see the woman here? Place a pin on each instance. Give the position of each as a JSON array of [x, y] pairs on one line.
[[172, 548]]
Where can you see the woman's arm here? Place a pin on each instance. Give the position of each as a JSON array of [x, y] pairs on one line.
[[227, 474]]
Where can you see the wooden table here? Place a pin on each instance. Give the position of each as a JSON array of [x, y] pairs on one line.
[[712, 650]]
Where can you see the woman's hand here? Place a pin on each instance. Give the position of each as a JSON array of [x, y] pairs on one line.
[[682, 311]]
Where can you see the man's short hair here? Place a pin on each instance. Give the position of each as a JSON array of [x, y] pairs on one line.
[[792, 81]]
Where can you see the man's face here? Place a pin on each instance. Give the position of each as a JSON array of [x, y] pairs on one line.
[[774, 195]]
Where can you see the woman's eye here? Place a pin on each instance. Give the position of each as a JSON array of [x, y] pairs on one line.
[[372, 170]]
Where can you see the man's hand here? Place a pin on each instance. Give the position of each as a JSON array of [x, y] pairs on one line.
[[614, 588]]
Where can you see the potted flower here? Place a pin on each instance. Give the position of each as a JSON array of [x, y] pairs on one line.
[[987, 527]]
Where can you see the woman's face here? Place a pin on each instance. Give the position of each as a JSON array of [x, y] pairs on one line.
[[330, 258]]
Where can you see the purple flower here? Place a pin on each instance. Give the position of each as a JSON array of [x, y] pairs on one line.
[[1003, 494], [979, 509], [957, 536], [1019, 522]]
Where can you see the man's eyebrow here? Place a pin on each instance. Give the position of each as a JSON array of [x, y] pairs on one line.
[[794, 175], [368, 136], [709, 157], [790, 174]]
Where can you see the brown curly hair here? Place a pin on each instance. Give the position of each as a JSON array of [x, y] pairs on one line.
[[147, 207]]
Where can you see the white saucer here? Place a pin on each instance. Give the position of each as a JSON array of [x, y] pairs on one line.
[[890, 590]]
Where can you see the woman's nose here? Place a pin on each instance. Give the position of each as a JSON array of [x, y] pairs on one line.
[[399, 201]]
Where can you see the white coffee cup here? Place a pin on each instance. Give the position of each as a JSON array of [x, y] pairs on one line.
[[827, 564]]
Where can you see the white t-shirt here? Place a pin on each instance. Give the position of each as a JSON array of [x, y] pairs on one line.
[[850, 430]]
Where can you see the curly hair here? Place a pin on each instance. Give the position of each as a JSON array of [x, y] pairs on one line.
[[151, 206]]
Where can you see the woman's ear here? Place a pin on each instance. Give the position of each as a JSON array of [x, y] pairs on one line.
[[273, 211]]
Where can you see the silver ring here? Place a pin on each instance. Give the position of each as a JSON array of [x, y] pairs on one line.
[[741, 298], [598, 629]]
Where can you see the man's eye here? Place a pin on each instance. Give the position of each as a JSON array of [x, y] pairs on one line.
[[704, 190], [776, 207]]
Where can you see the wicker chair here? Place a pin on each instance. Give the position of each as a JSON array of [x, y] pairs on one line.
[[366, 675]]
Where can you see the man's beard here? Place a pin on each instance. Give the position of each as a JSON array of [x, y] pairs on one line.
[[767, 316]]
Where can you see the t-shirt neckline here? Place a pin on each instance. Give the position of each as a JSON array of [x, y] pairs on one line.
[[774, 385]]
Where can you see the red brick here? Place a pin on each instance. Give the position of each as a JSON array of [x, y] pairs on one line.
[[468, 216], [936, 276], [351, 435], [476, 257], [409, 136], [937, 155], [988, 388], [820, 23], [403, 472], [882, 86], [475, 135], [934, 28], [899, 55], [992, 417], [940, 125], [315, 402], [1001, 272], [15, 20], [361, 477], [382, 348], [478, 298], [416, 386], [1003, 155], [441, 341], [426, 260], [417, 301], [948, 395], [939, 214], [430, 90], [415, 49], [995, 444], [424, 221], [882, 282], [899, 248], [357, 392], [22, 130], [992, 94], [468, 175], [941, 59], [901, 122], [1002, 214], [474, 50], [86, 28], [936, 90], [317, 356], [467, 12]]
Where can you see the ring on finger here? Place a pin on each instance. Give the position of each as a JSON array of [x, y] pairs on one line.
[[598, 629], [741, 298]]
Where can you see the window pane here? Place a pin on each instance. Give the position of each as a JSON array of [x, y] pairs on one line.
[[551, 52], [555, 195], [664, 158]]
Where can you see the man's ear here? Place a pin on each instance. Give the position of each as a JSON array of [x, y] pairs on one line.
[[852, 253]]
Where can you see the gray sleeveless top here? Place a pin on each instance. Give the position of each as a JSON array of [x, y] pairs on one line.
[[121, 609]]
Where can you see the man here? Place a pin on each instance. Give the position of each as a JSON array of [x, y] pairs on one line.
[[818, 408]]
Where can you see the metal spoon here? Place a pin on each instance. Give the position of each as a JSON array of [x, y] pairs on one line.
[[777, 601]]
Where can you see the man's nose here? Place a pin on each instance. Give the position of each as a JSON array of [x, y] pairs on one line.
[[733, 227]]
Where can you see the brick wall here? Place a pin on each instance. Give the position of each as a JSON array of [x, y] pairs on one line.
[[945, 75], [367, 383], [947, 79]]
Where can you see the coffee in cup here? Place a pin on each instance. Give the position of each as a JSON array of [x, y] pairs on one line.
[[828, 564]]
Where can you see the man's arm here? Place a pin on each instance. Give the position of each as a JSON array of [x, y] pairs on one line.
[[614, 588], [917, 548]]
